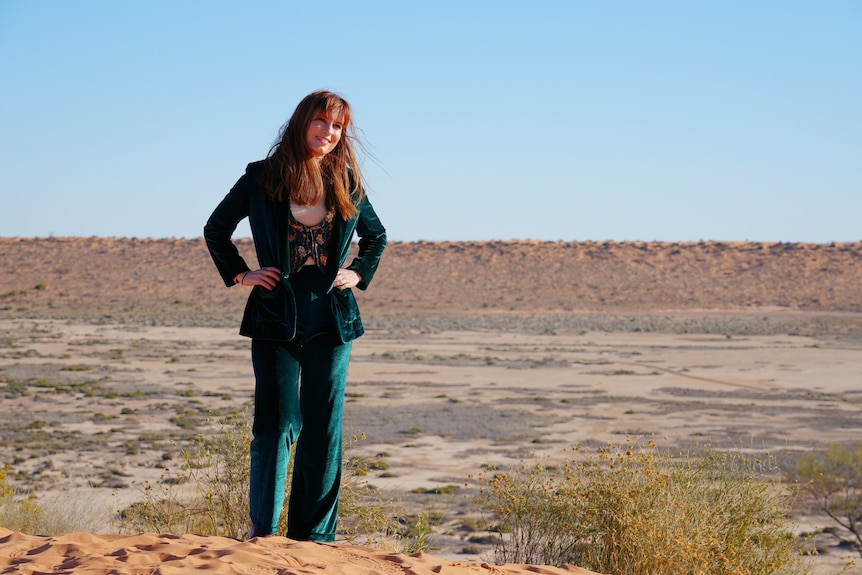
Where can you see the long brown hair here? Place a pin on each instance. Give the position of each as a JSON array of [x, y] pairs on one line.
[[291, 171]]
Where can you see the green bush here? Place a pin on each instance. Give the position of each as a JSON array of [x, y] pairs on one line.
[[832, 482], [635, 510]]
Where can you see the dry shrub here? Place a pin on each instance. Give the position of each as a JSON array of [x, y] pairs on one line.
[[57, 513], [634, 510], [17, 512], [366, 517], [375, 518], [209, 496]]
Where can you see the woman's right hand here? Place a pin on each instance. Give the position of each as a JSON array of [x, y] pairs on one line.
[[266, 278]]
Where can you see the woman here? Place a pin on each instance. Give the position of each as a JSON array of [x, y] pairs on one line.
[[304, 202]]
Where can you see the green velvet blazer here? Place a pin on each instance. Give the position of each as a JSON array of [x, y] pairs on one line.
[[272, 314]]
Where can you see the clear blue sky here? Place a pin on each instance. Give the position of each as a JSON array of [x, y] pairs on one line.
[[490, 120]]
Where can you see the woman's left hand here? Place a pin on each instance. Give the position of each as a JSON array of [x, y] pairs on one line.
[[346, 279]]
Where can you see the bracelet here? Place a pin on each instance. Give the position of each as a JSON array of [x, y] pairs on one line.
[[242, 279]]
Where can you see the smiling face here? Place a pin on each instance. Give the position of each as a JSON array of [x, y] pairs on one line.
[[324, 132]]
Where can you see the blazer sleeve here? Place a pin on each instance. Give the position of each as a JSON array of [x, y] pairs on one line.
[[372, 240], [221, 225]]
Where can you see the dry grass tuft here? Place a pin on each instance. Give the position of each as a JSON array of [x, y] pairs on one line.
[[60, 513]]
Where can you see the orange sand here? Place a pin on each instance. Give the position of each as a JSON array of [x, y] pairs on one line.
[[150, 554]]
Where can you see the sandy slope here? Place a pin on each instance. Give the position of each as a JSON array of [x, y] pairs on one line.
[[83, 553]]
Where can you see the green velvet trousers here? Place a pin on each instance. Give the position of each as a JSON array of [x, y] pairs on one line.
[[299, 400]]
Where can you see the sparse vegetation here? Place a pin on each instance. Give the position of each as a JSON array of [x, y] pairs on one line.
[[217, 470], [208, 495], [633, 509]]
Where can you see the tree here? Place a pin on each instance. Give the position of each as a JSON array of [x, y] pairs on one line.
[[832, 481]]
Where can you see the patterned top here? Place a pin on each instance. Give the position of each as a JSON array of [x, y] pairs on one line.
[[309, 241]]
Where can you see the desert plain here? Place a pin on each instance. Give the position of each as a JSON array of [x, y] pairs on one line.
[[115, 352]]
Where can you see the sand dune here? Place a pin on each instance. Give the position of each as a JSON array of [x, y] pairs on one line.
[[174, 282], [83, 553]]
